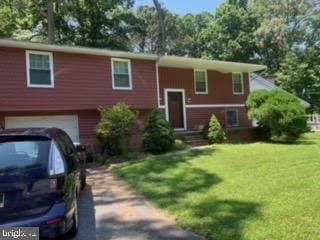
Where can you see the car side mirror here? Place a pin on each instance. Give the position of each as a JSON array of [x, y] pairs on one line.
[[81, 148]]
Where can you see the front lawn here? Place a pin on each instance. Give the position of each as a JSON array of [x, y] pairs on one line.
[[252, 191]]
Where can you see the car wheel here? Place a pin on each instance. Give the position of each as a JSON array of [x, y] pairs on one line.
[[75, 225], [83, 182]]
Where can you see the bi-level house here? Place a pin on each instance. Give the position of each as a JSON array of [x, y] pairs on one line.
[[61, 86]]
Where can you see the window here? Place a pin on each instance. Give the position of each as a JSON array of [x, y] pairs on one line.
[[237, 82], [68, 151], [23, 152], [232, 118], [201, 81], [121, 74], [40, 69], [56, 161]]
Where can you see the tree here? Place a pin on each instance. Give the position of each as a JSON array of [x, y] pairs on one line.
[[300, 75], [231, 36], [282, 26], [278, 111], [50, 20], [99, 23], [90, 23], [299, 72], [15, 19], [115, 127], [191, 40], [147, 36], [158, 135], [239, 3], [214, 132], [161, 27]]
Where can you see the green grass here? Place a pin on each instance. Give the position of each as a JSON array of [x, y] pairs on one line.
[[245, 191]]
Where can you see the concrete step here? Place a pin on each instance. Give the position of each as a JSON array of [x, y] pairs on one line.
[[195, 137], [196, 143], [192, 138]]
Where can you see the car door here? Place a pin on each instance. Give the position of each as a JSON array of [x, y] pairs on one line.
[[71, 181]]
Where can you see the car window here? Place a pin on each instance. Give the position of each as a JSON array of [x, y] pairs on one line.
[[23, 153], [68, 150]]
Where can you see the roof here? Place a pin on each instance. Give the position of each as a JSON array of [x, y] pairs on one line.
[[76, 50], [257, 82], [164, 61], [223, 66], [38, 132]]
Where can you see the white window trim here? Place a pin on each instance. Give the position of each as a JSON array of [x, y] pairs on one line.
[[195, 80], [166, 91], [29, 84], [237, 114], [130, 73], [211, 105], [242, 84]]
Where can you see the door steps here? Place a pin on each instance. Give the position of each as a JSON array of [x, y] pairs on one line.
[[192, 138]]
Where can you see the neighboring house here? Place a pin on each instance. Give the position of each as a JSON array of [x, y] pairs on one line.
[[61, 86], [257, 83]]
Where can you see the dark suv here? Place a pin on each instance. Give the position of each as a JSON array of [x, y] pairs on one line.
[[40, 180]]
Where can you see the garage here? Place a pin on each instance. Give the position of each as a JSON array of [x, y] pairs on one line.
[[68, 123]]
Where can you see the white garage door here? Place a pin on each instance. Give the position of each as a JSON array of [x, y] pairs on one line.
[[68, 123]]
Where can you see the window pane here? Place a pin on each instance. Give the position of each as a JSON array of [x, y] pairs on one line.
[[237, 83], [237, 76], [237, 87], [201, 85], [121, 80], [40, 77], [20, 154], [200, 76], [41, 62], [232, 118], [120, 67]]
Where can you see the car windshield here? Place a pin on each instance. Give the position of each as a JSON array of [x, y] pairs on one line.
[[23, 152]]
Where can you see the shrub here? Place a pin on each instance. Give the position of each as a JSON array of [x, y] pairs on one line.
[[204, 131], [213, 131], [115, 127], [158, 135], [278, 111]]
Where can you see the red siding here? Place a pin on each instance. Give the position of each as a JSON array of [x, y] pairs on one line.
[[88, 121], [220, 89], [1, 121], [81, 82], [200, 116]]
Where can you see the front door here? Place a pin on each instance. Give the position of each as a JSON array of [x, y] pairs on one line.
[[175, 110]]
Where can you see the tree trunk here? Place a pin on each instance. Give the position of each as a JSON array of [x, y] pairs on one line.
[[50, 19], [161, 24]]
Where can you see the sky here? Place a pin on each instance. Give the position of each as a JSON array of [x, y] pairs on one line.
[[183, 7]]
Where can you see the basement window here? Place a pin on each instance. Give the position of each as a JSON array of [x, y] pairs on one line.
[[121, 74], [39, 69], [232, 117]]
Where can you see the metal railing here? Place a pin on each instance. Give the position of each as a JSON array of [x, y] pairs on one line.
[[314, 122]]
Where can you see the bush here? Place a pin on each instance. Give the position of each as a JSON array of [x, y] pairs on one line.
[[279, 112], [158, 135], [213, 131], [115, 127]]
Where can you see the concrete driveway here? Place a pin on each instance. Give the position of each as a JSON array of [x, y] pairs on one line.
[[109, 210]]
